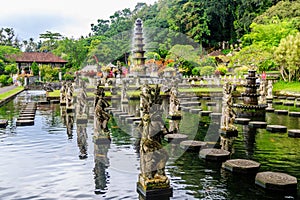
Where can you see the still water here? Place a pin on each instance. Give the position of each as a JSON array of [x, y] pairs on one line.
[[58, 159]]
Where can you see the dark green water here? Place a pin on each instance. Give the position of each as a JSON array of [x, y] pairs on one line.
[[45, 161]]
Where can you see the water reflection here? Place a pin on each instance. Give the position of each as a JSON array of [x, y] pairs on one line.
[[82, 140]]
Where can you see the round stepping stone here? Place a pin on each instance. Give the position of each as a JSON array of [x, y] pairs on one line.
[[211, 103], [176, 137], [291, 98], [136, 123], [281, 112], [295, 133], [132, 119], [25, 118], [276, 128], [243, 121], [195, 103], [276, 181], [3, 123], [192, 145], [241, 166], [195, 111], [215, 116], [270, 109], [206, 98], [297, 105], [294, 114], [278, 102], [213, 154], [186, 109], [257, 124], [282, 97], [205, 113], [288, 103], [25, 122]]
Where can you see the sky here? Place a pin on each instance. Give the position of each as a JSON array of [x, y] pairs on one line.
[[71, 18]]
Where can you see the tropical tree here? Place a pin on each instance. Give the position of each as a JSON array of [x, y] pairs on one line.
[[287, 54]]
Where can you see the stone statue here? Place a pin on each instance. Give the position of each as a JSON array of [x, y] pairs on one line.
[[262, 92], [63, 93], [270, 89], [69, 96], [82, 102], [153, 156], [102, 117], [123, 91], [174, 102], [228, 114]]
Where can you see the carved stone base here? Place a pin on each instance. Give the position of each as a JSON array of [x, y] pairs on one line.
[[154, 194]]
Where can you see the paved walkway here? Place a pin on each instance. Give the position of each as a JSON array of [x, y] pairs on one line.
[[6, 88]]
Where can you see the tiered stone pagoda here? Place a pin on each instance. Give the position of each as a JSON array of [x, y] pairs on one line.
[[138, 47], [250, 107]]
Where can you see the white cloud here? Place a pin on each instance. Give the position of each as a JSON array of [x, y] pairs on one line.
[[71, 18]]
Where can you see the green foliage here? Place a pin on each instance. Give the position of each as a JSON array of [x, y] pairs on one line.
[[196, 71], [269, 34], [208, 61], [207, 70], [4, 80], [286, 86], [222, 69], [48, 73], [287, 55], [68, 77], [11, 69], [282, 10], [152, 55], [35, 68]]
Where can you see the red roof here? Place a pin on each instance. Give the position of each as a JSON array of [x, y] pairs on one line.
[[38, 57]]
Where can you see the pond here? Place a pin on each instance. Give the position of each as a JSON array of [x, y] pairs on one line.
[[59, 159]]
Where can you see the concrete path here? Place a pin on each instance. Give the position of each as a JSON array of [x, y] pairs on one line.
[[6, 88]]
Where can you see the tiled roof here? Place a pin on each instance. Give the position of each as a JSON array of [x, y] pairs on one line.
[[38, 57]]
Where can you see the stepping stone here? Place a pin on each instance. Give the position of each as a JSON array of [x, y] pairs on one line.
[[282, 97], [297, 105], [213, 154], [281, 112], [43, 102], [195, 98], [3, 123], [185, 109], [184, 104], [241, 166], [54, 101], [276, 128], [291, 98], [25, 122], [211, 103], [195, 103], [117, 114], [229, 133], [132, 119], [215, 116], [205, 113], [195, 110], [288, 103], [243, 121], [25, 118], [294, 114], [176, 137], [278, 102], [26, 115], [206, 98], [298, 99], [276, 181], [123, 117], [257, 124], [270, 109], [295, 133], [192, 145]]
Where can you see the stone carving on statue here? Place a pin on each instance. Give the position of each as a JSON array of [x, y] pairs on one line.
[[123, 91], [82, 108], [153, 156], [101, 116], [228, 114], [262, 92], [69, 96], [63, 93], [270, 89], [174, 102]]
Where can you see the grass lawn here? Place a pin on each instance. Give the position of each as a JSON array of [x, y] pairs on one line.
[[286, 86], [11, 92]]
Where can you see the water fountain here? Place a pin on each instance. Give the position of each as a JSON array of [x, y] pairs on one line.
[[251, 108]]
